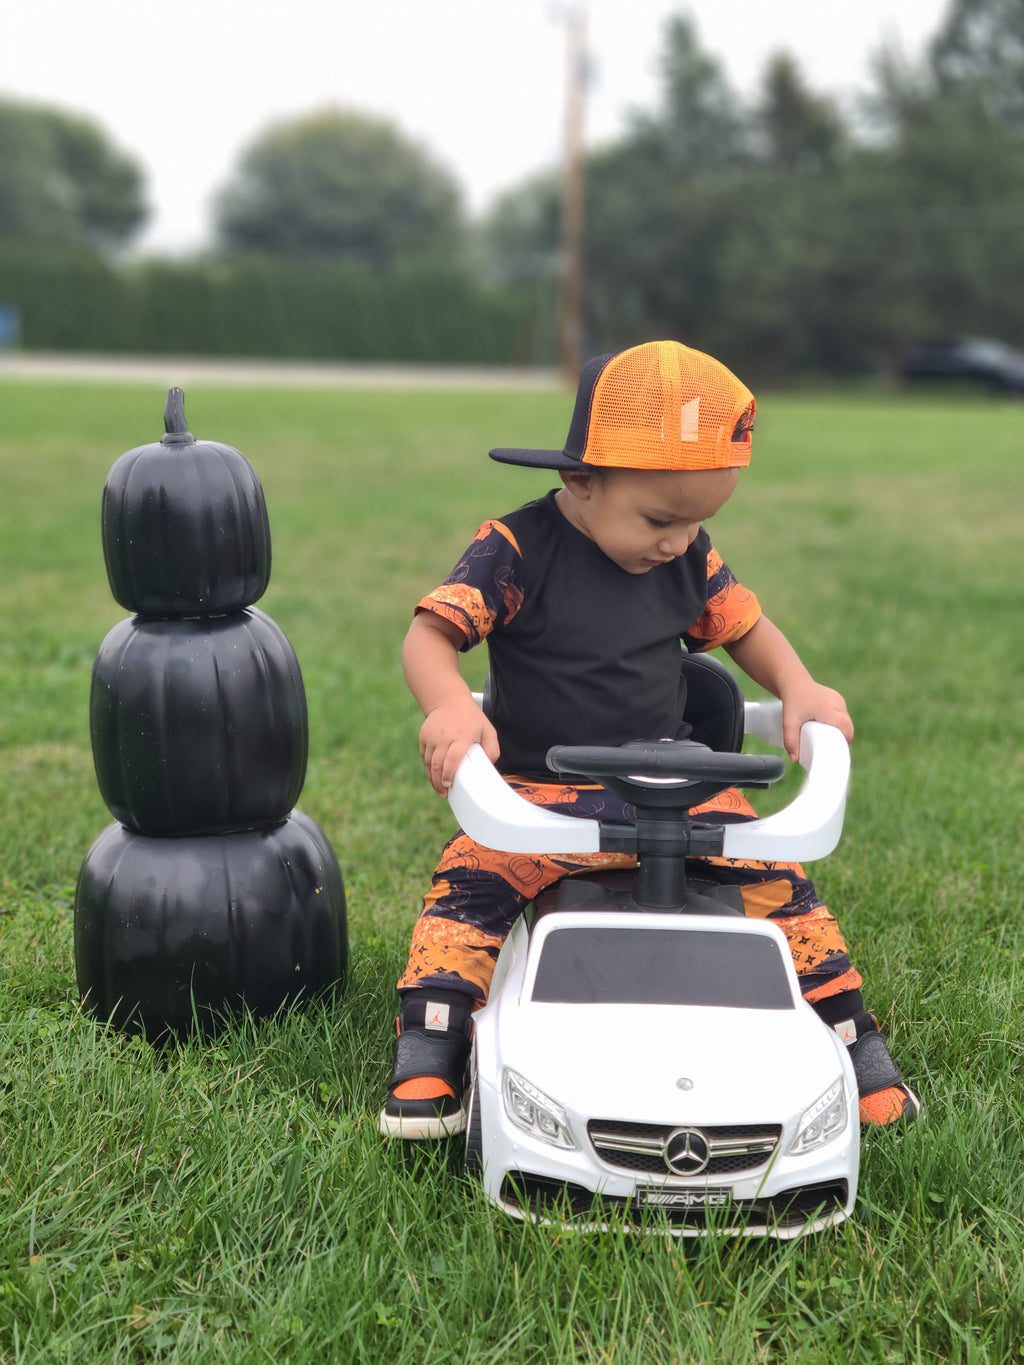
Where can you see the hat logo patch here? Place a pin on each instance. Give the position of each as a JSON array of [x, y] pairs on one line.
[[689, 420]]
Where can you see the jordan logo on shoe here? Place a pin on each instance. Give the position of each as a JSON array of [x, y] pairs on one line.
[[436, 1017]]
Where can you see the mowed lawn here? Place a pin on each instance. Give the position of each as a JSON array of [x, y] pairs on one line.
[[232, 1199]]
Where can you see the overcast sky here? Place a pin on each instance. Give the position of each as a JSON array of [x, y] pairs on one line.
[[186, 86]]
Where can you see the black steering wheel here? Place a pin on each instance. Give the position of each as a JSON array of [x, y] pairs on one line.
[[678, 773]]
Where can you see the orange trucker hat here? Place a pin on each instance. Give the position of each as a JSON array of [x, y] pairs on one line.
[[656, 406]]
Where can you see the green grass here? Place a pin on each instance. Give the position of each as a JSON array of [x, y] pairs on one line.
[[233, 1198]]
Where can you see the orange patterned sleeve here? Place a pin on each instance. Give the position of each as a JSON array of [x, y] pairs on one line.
[[483, 590], [730, 612]]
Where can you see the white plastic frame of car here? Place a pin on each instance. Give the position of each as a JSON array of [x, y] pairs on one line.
[[493, 815]]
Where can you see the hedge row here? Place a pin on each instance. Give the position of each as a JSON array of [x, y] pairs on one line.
[[76, 301]]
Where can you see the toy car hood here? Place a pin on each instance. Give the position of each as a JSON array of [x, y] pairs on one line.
[[674, 1064]]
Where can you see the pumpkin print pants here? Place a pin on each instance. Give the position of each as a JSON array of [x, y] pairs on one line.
[[477, 894]]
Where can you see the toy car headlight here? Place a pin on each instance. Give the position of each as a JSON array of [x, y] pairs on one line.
[[533, 1111], [824, 1120]]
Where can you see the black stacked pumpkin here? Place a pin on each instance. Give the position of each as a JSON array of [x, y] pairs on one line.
[[212, 893]]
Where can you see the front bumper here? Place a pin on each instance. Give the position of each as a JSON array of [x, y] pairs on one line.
[[782, 1195]]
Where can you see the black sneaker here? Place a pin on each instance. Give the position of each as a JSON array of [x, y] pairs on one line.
[[426, 1095], [884, 1098]]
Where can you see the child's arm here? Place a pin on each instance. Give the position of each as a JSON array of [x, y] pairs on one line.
[[453, 719], [766, 655]]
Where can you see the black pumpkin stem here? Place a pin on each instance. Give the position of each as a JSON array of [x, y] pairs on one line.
[[175, 427]]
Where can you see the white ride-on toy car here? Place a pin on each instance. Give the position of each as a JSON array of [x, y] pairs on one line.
[[645, 1044]]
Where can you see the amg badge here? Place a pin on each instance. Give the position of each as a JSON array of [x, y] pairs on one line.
[[688, 1199]]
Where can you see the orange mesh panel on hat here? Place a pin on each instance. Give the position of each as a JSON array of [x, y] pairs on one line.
[[665, 406]]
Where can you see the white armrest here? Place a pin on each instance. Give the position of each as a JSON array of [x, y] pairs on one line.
[[493, 815], [810, 826], [763, 719], [490, 812]]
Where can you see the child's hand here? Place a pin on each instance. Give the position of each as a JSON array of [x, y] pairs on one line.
[[447, 733], [768, 657], [810, 700]]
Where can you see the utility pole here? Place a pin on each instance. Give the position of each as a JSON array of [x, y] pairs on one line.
[[570, 281]]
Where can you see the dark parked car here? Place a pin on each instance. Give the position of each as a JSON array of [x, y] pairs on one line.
[[968, 358]]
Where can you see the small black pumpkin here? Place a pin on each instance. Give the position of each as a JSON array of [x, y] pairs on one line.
[[173, 934], [198, 726], [185, 526]]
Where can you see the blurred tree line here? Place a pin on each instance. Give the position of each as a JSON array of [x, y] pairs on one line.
[[337, 238], [789, 236], [785, 233]]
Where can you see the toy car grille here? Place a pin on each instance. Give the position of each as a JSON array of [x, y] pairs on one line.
[[548, 1200], [641, 1147]]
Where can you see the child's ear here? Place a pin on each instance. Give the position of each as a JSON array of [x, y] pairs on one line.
[[577, 482]]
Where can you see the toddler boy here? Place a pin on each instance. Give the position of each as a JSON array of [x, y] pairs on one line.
[[583, 597]]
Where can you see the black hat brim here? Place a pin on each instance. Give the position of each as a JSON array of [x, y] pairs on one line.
[[537, 459]]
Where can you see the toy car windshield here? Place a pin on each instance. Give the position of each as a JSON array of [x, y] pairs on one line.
[[617, 966]]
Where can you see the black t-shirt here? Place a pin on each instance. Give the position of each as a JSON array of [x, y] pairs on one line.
[[582, 652]]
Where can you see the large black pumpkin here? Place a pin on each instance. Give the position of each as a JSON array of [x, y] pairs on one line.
[[185, 527], [173, 934], [198, 726]]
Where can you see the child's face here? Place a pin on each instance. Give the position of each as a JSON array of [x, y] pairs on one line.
[[641, 518]]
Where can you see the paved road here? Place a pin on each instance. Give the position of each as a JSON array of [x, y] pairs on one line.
[[192, 370]]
